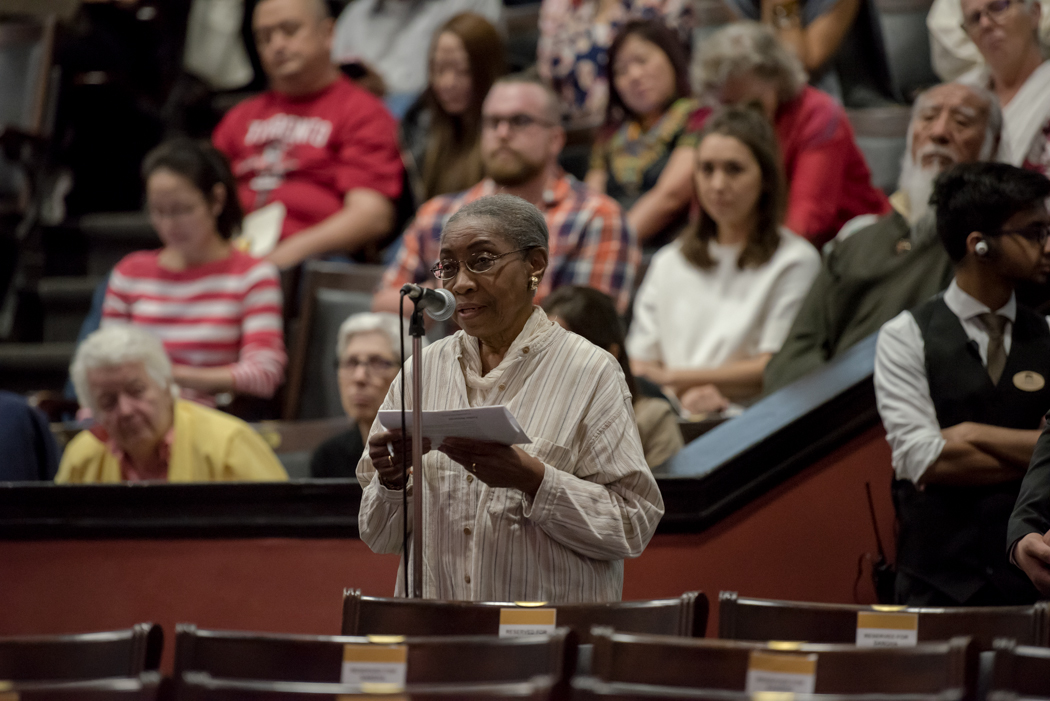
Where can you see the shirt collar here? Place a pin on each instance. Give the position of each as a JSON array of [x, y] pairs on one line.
[[557, 189], [130, 473], [535, 336], [966, 307]]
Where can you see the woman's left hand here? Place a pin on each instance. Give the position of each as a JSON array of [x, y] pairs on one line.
[[495, 464]]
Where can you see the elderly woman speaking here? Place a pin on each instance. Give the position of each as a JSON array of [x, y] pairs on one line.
[[548, 521]]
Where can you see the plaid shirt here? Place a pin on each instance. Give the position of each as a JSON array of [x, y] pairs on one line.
[[590, 241]]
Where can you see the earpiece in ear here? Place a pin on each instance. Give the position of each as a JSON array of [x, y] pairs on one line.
[[981, 249]]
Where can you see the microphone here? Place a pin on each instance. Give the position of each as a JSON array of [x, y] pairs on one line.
[[439, 304]]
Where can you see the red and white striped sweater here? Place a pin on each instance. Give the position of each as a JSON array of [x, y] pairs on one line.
[[223, 313]]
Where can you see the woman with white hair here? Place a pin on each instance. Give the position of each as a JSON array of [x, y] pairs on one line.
[[829, 181], [367, 357], [142, 431]]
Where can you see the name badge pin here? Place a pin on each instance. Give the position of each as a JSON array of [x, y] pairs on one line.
[[1029, 381]]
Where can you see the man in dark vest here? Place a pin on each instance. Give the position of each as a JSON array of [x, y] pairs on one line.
[[894, 262], [961, 388]]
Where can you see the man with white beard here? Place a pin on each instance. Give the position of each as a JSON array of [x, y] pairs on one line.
[[897, 261]]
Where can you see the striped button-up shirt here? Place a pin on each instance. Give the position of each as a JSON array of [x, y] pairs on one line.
[[590, 241], [598, 502]]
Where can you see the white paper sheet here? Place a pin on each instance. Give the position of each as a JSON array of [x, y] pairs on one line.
[[489, 423]]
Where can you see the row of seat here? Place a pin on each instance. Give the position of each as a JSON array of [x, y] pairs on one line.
[[451, 649]]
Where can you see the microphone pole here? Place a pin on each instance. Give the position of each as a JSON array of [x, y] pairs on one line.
[[440, 305], [417, 331]]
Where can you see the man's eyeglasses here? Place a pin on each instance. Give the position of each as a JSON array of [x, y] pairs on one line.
[[1037, 233], [515, 122], [374, 364], [477, 263], [994, 10]]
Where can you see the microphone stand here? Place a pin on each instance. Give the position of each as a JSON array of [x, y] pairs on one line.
[[417, 331]]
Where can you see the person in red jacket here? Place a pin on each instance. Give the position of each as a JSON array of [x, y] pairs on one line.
[[315, 142], [828, 181]]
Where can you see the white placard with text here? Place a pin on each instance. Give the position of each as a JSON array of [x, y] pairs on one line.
[[779, 671], [366, 664], [880, 629], [526, 621]]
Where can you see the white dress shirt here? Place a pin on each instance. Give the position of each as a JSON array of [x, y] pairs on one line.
[[902, 390], [598, 502]]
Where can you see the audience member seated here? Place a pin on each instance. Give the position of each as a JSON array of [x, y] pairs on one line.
[[216, 309], [393, 37], [315, 144], [1006, 34], [815, 30], [29, 449], [650, 105], [897, 261], [552, 520], [590, 241], [575, 35], [717, 303], [829, 181], [951, 50], [142, 431], [441, 134], [368, 352], [959, 382], [592, 314]]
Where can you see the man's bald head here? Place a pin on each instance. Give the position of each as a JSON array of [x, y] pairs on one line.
[[294, 39]]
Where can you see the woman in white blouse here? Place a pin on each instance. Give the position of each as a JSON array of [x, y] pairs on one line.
[[550, 520], [717, 303]]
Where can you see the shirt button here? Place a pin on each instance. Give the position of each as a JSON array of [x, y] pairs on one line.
[[466, 531], [989, 571], [525, 350], [468, 579], [470, 478], [502, 387]]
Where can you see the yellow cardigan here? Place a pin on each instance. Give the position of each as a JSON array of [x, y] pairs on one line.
[[209, 446]]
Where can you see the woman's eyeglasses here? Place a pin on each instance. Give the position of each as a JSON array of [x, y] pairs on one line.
[[478, 263], [994, 10], [374, 364]]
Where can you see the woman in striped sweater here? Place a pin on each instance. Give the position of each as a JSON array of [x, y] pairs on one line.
[[216, 309]]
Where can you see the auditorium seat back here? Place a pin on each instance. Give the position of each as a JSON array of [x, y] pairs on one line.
[[367, 615], [199, 686], [907, 41], [927, 668], [743, 618], [318, 658], [588, 688], [331, 293], [1021, 669], [145, 687], [119, 653]]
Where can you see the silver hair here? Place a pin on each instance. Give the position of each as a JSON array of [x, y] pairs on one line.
[[748, 47], [367, 322], [518, 221], [993, 127], [119, 345]]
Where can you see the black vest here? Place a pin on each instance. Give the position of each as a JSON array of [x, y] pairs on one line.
[[954, 538]]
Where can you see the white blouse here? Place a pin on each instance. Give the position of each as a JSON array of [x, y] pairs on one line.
[[686, 317]]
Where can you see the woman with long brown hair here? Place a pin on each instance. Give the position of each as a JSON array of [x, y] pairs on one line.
[[440, 135], [718, 302]]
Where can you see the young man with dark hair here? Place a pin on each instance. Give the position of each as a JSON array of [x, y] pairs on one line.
[[961, 388]]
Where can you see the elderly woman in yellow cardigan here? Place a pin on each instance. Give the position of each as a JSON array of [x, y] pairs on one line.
[[142, 431]]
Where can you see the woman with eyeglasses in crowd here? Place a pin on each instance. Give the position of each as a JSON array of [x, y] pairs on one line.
[[368, 352], [216, 309]]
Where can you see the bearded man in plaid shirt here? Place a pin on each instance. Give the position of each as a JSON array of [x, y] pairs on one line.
[[521, 137]]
